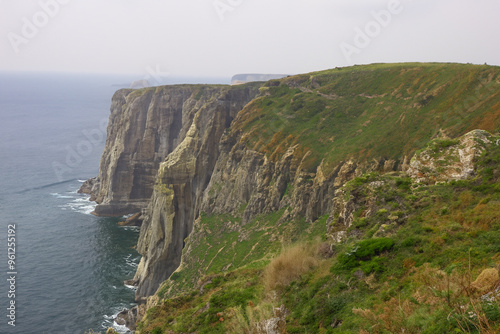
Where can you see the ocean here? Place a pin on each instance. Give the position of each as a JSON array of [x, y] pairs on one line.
[[67, 266]]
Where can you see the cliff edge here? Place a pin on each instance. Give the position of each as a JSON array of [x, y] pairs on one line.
[[226, 175], [145, 126]]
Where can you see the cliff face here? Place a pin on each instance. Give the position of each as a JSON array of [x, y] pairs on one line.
[[287, 153], [177, 194], [243, 176], [145, 126], [213, 160], [201, 175]]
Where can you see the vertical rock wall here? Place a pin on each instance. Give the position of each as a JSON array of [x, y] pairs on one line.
[[145, 126]]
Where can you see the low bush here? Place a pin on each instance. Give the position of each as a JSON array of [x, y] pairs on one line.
[[364, 251], [290, 265]]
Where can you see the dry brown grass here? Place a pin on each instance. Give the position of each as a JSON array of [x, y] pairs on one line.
[[435, 291], [290, 265], [249, 320], [486, 281]]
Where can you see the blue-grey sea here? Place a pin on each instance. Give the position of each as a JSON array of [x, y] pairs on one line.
[[69, 265]]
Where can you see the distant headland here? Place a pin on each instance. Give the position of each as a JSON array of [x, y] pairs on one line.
[[239, 79]]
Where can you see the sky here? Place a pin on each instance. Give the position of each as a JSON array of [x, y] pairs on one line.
[[219, 38]]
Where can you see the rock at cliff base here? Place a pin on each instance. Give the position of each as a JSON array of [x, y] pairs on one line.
[[127, 318], [134, 220]]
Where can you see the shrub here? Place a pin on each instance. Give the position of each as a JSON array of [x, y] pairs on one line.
[[368, 248], [289, 266], [381, 212], [403, 183], [373, 266], [364, 251], [411, 241], [360, 223]]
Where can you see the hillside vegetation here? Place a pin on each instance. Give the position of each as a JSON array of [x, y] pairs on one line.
[[366, 112], [397, 255], [425, 261]]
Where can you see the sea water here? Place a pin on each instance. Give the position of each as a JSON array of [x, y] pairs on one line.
[[69, 264]]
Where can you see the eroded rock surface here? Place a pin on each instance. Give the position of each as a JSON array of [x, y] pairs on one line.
[[447, 159], [145, 126]]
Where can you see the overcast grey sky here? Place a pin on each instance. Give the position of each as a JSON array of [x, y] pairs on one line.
[[225, 37]]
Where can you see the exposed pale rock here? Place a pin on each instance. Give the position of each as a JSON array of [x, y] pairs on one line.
[[91, 187], [446, 160], [455, 161]]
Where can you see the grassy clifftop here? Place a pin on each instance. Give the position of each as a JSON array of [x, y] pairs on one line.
[[396, 254], [373, 111]]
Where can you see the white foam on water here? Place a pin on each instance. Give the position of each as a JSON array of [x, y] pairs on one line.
[[57, 195], [111, 317], [132, 261], [122, 329], [110, 322], [131, 228], [76, 202], [81, 204], [131, 287]]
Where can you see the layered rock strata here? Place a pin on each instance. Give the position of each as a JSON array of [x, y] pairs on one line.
[[145, 126], [221, 179], [176, 152]]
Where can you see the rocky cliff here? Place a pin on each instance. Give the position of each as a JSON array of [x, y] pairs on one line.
[[441, 161], [177, 195], [145, 126], [233, 172], [381, 226], [265, 164]]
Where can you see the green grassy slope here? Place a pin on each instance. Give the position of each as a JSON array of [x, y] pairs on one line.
[[417, 273], [373, 111], [386, 274]]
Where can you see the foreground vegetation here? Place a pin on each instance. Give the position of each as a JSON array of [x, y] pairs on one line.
[[425, 260]]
